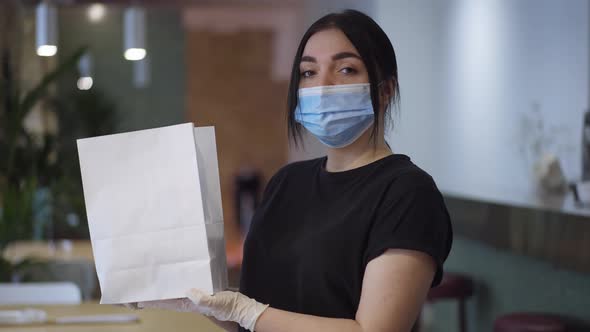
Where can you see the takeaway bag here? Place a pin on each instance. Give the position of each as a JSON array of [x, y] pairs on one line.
[[153, 202]]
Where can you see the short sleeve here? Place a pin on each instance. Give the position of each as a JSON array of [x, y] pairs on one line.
[[416, 219]]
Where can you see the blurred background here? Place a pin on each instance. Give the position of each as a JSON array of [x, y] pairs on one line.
[[494, 105]]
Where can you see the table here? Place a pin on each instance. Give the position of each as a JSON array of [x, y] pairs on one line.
[[59, 250], [149, 320], [66, 260]]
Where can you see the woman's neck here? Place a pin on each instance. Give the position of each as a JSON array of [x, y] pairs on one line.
[[361, 152]]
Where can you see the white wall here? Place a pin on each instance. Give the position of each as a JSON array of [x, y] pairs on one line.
[[412, 27], [470, 70]]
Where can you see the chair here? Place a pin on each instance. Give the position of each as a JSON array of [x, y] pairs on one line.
[[453, 286], [529, 322], [39, 293]]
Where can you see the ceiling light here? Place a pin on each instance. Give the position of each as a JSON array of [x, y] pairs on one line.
[[96, 12], [46, 28], [134, 33]]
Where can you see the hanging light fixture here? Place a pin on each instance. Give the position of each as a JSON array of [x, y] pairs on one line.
[[141, 72], [134, 33], [46, 21], [85, 69]]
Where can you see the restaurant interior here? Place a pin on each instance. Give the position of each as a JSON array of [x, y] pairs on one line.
[[494, 105]]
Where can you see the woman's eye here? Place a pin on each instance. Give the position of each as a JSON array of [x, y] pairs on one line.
[[348, 70], [307, 73]]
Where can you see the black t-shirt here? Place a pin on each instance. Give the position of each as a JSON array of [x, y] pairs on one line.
[[315, 231]]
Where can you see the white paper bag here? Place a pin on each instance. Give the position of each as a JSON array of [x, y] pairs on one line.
[[153, 202]]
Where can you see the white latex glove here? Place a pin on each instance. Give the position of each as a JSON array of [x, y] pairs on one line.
[[223, 306]]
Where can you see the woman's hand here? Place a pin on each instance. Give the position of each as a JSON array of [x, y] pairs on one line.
[[223, 306]]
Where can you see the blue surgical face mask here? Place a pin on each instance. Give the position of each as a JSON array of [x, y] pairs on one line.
[[337, 115]]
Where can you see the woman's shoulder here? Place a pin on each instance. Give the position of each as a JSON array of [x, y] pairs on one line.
[[402, 174], [293, 170], [299, 167]]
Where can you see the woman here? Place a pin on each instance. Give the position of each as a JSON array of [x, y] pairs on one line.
[[352, 241]]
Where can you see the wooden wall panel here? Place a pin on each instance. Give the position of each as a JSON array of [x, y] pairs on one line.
[[230, 87]]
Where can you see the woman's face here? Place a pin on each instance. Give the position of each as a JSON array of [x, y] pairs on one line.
[[329, 58]]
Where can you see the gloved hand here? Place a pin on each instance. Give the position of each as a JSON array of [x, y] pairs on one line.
[[223, 306]]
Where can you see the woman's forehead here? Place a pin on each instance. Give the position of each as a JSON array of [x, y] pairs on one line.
[[326, 43]]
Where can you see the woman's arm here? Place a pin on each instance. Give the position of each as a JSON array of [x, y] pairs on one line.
[[395, 286]]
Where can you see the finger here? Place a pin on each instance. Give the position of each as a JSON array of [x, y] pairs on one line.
[[197, 296], [201, 301], [182, 305]]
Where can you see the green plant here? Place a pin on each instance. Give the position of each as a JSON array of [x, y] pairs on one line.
[[23, 163], [21, 157], [80, 114], [16, 212], [16, 215], [53, 160]]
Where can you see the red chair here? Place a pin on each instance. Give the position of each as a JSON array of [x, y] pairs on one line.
[[529, 322], [453, 286]]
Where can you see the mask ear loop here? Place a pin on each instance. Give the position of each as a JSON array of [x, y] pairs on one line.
[[380, 85]]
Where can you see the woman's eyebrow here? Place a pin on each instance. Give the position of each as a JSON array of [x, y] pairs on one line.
[[344, 55], [307, 58], [337, 56]]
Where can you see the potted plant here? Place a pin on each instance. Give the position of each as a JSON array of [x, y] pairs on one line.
[[23, 162]]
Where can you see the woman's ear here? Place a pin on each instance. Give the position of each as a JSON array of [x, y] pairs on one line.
[[386, 90], [389, 88]]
